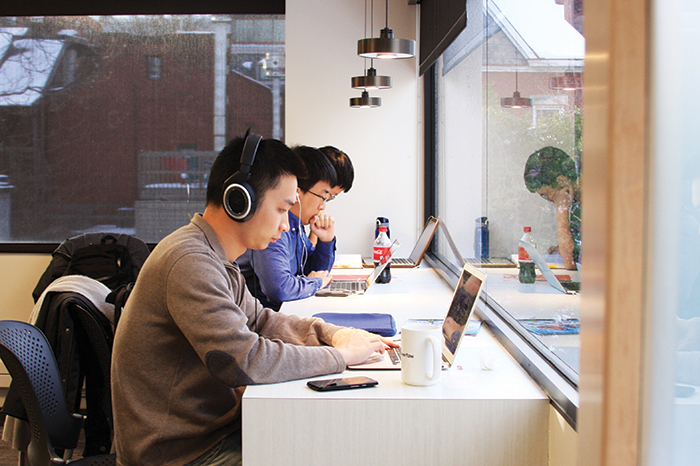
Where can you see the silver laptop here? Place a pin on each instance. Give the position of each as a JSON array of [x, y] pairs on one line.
[[418, 250], [359, 285], [568, 287], [461, 308], [477, 261]]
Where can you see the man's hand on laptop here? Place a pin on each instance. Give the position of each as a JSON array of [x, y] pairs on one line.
[[324, 275], [357, 346]]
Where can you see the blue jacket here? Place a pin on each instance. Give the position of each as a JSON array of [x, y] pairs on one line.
[[280, 270]]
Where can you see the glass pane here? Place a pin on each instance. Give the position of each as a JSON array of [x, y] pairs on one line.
[[111, 123], [673, 353], [509, 105]]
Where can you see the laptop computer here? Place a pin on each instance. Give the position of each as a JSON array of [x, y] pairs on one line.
[[418, 250], [568, 287], [477, 261], [356, 286], [461, 308], [495, 262]]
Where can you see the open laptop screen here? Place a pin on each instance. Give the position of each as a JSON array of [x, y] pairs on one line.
[[461, 308], [424, 240]]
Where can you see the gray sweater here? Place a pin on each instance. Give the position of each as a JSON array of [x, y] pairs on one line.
[[188, 342]]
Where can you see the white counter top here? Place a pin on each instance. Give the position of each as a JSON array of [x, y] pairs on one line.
[[501, 415]]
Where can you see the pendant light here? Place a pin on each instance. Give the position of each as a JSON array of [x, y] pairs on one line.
[[516, 101], [370, 80], [569, 82], [365, 101], [386, 46]]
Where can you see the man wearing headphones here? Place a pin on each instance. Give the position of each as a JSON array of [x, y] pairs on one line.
[[192, 337], [294, 267]]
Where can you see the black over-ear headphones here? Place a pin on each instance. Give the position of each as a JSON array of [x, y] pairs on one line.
[[239, 196]]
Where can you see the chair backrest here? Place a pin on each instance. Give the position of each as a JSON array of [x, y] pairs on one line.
[[32, 366]]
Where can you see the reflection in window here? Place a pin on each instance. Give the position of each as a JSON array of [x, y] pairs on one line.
[[529, 54], [88, 141]]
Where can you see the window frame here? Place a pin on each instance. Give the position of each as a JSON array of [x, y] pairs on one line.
[[558, 381]]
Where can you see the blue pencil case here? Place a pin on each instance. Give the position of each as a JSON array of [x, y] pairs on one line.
[[381, 324]]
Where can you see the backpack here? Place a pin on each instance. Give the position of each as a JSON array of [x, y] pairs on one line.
[[115, 259], [106, 262]]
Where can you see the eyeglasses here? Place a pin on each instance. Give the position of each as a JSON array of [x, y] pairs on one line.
[[325, 199]]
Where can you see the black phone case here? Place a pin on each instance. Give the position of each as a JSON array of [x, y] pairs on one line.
[[335, 384]]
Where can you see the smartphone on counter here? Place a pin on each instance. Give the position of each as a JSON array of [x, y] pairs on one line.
[[346, 383]]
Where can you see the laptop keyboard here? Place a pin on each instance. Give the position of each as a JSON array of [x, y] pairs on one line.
[[402, 260], [394, 355], [349, 286], [496, 262]]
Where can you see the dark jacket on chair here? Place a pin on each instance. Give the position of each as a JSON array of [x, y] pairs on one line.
[[81, 337]]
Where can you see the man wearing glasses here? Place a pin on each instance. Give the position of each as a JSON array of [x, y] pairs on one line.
[[293, 267]]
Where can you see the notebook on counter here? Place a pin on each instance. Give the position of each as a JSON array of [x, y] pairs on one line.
[[347, 261], [379, 323]]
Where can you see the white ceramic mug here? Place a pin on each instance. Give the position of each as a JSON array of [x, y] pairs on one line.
[[421, 354]]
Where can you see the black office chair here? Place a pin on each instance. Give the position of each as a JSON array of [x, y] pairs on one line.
[[32, 366]]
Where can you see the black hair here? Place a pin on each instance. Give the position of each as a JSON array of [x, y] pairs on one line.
[[273, 160], [344, 170], [545, 165], [318, 167]]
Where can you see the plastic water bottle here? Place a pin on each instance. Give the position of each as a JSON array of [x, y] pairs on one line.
[[381, 250], [527, 266], [481, 238]]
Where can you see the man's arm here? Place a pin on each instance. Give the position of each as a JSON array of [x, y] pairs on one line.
[[241, 342], [563, 200], [274, 270]]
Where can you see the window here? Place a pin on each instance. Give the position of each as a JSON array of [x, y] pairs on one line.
[[506, 100], [89, 140], [154, 67]]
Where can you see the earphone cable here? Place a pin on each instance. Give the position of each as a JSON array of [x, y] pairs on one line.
[[255, 292], [302, 231]]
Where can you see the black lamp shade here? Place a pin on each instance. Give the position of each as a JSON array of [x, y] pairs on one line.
[[516, 101], [365, 101], [371, 81], [386, 46], [569, 82]]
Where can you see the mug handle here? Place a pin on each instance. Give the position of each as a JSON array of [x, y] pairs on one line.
[[436, 349]]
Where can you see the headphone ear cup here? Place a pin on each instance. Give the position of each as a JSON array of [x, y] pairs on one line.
[[240, 201]]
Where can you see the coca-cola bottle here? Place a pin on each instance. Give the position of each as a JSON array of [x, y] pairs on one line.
[[527, 266], [381, 254]]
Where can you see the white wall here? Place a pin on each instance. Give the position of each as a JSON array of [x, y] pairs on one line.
[[385, 143]]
